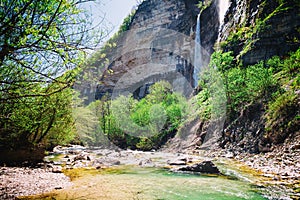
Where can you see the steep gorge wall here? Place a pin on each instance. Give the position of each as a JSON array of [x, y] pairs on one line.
[[256, 30], [159, 45], [275, 26]]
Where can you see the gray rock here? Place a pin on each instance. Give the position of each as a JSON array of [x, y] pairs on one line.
[[117, 162], [82, 157], [206, 167], [229, 155]]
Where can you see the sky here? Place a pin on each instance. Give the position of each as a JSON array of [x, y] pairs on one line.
[[114, 11]]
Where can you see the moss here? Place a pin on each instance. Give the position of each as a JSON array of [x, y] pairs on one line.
[[202, 6], [281, 8]]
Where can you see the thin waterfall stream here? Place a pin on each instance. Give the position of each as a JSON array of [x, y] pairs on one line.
[[198, 53]]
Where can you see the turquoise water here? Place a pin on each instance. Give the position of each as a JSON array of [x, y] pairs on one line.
[[164, 185]]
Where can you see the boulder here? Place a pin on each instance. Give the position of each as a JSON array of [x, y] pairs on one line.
[[206, 167]]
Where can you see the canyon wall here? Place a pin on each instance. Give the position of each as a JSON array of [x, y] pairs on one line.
[[159, 45], [272, 28]]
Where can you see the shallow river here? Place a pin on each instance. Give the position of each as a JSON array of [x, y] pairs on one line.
[[135, 183]]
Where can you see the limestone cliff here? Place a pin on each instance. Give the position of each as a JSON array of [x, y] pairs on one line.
[[158, 45], [260, 29], [254, 30]]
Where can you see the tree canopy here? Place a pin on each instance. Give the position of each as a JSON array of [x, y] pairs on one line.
[[40, 41], [42, 46]]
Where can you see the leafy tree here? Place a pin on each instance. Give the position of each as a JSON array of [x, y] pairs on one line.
[[39, 41], [127, 22], [242, 85], [282, 115], [42, 45], [38, 120], [148, 123]]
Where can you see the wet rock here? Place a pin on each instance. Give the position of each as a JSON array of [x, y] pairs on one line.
[[98, 167], [82, 157], [117, 162], [206, 167], [58, 150], [229, 155]]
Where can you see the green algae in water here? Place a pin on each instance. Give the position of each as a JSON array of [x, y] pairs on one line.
[[129, 182], [162, 184]]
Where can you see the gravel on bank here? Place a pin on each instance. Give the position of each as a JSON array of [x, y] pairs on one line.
[[17, 181], [281, 165]]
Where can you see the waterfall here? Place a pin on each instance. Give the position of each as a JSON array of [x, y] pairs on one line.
[[198, 54]]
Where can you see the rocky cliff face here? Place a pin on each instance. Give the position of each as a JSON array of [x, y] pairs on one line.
[[255, 31], [274, 24], [159, 45]]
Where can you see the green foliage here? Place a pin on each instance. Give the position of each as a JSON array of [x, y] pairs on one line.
[[127, 22], [286, 70], [222, 61], [282, 116], [241, 40], [204, 5], [144, 124], [248, 85], [203, 104], [259, 80], [274, 82], [41, 48], [212, 98], [38, 120], [283, 6], [243, 85]]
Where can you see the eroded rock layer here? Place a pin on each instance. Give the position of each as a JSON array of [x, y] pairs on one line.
[[159, 45]]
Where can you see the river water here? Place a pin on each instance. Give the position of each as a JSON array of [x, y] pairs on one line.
[[130, 180]]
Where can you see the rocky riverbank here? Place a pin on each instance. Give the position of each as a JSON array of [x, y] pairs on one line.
[[281, 165], [280, 168], [17, 181], [49, 176]]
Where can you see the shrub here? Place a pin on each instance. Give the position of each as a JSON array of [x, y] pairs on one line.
[[145, 124]]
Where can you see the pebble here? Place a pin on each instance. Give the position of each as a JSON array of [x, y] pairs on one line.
[[15, 181]]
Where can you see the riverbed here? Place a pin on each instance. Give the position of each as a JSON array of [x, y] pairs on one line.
[[125, 174], [130, 182]]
